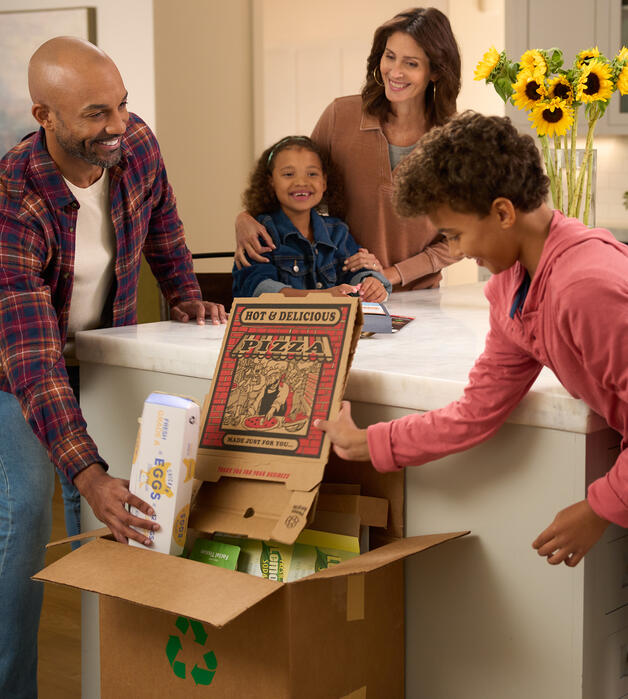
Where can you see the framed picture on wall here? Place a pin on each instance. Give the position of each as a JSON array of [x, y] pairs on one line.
[[21, 32]]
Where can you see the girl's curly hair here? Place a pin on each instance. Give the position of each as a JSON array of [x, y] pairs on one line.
[[466, 164], [259, 197]]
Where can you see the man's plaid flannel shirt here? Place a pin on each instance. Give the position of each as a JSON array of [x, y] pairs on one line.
[[37, 231]]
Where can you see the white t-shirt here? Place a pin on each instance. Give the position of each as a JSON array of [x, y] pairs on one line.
[[94, 255]]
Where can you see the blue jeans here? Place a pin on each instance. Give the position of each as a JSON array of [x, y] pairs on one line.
[[26, 487], [71, 496], [71, 507]]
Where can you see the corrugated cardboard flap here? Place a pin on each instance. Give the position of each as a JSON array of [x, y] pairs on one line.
[[169, 583], [257, 509], [377, 558]]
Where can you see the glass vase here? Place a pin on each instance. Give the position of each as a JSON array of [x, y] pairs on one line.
[[573, 183]]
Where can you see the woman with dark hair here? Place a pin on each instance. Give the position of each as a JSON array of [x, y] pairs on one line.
[[412, 81]]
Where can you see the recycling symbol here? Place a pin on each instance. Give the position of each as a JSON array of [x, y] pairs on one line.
[[200, 675]]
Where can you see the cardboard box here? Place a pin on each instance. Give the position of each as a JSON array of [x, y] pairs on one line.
[[162, 472], [172, 627], [283, 364], [197, 630]]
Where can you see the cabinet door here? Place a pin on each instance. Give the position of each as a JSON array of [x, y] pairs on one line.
[[612, 23]]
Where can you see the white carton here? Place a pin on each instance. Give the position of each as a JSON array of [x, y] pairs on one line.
[[163, 467]]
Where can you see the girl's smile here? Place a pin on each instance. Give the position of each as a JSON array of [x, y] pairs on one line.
[[298, 180]]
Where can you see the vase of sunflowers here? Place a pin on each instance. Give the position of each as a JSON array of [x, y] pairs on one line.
[[553, 97]]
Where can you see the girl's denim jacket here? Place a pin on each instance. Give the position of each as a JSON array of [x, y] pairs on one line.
[[297, 263]]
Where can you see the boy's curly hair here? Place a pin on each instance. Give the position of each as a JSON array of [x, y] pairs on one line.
[[468, 163], [259, 197]]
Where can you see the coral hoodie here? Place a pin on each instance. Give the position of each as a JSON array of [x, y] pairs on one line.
[[575, 321]]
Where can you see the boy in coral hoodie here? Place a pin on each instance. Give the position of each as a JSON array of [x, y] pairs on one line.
[[558, 298]]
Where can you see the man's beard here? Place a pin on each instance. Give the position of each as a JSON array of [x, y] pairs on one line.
[[77, 149]]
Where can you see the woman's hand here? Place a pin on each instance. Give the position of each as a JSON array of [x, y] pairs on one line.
[[248, 234], [371, 289], [572, 533], [349, 441], [363, 259]]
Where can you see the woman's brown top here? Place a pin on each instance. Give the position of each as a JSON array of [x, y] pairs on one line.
[[358, 147]]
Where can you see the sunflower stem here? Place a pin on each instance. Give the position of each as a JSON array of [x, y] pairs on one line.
[[587, 198], [559, 172], [551, 173], [567, 162], [572, 164], [584, 167]]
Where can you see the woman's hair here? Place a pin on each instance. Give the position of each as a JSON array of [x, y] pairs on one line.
[[431, 30], [466, 164], [259, 197]]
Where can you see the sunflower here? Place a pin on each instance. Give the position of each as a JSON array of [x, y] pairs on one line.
[[622, 80], [586, 56], [551, 117], [623, 54], [527, 91], [487, 65], [595, 82], [534, 63], [560, 87]]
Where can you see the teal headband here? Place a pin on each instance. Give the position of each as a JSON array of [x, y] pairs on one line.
[[281, 143]]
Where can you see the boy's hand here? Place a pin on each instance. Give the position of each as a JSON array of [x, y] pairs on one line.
[[371, 289], [363, 259], [349, 441], [572, 533]]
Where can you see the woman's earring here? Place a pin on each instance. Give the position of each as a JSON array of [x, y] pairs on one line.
[[434, 84], [380, 82]]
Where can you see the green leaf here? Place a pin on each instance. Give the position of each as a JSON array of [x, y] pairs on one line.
[[555, 60], [512, 72], [503, 87]]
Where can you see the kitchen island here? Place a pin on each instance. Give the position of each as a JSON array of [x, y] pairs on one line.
[[485, 616]]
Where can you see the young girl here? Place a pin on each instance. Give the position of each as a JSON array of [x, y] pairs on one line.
[[289, 183]]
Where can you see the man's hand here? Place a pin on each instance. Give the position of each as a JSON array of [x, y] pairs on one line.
[[572, 533], [371, 289], [200, 310], [360, 260], [349, 441], [107, 497], [249, 231]]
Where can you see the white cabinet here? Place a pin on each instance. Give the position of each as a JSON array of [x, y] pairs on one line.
[[571, 25]]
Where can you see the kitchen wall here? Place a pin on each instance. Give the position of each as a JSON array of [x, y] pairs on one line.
[[612, 182], [204, 106]]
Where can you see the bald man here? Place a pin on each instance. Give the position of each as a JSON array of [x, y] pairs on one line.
[[80, 201]]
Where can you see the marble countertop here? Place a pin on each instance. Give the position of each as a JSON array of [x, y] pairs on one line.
[[421, 367]]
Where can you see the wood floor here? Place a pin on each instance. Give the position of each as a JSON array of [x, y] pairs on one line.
[[59, 673]]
